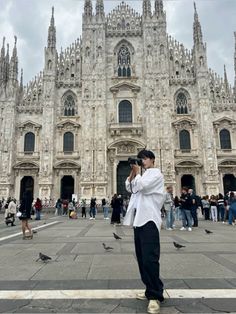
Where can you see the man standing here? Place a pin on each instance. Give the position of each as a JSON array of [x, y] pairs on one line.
[[194, 207], [169, 208], [186, 203], [144, 213]]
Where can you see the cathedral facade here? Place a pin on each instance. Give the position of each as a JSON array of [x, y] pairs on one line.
[[123, 86]]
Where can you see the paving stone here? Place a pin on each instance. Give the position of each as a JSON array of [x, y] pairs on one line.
[[95, 247], [219, 305], [47, 306], [232, 281], [126, 284], [208, 283], [17, 284], [71, 284], [180, 267], [62, 270], [188, 306], [95, 306], [8, 306], [175, 284], [229, 257]]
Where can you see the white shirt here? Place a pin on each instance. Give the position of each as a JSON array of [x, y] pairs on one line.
[[147, 198]]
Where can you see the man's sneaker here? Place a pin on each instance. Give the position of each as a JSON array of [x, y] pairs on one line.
[[183, 228], [169, 229], [91, 218], [189, 229], [153, 307], [141, 296]]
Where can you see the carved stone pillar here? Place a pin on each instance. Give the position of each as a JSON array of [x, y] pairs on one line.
[[114, 176]]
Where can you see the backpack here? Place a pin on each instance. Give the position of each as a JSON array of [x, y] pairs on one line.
[[103, 202]]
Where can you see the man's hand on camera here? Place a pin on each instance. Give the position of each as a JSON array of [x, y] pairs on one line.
[[135, 170]]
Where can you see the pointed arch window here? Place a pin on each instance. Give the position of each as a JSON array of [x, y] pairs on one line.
[[68, 142], [69, 106], [225, 140], [184, 140], [124, 62], [29, 143], [125, 112], [181, 104]]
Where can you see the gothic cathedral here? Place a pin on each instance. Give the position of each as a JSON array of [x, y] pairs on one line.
[[123, 86]]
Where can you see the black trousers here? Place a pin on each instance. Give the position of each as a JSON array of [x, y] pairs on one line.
[[194, 215], [147, 248]]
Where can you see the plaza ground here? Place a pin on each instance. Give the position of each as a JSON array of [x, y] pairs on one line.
[[83, 278]]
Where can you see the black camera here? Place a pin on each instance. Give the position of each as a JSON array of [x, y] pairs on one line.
[[135, 161]]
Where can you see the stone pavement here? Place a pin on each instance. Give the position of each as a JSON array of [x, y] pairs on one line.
[[83, 278]]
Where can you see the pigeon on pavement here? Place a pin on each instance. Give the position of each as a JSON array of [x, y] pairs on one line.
[[177, 245], [208, 231], [107, 248], [116, 236], [44, 257]]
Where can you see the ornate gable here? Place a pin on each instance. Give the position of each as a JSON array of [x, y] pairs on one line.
[[67, 164], [227, 163], [68, 125], [188, 163], [26, 166], [184, 123], [29, 126], [125, 86], [224, 122], [123, 21]]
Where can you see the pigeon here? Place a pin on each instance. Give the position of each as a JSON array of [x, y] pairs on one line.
[[116, 236], [44, 257], [107, 248], [177, 245], [208, 231]]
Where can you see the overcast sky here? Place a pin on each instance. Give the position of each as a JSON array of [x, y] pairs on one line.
[[29, 21]]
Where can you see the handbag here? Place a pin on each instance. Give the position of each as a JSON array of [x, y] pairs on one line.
[[21, 215]]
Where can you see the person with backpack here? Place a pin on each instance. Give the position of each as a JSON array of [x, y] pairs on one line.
[[38, 208], [105, 208], [92, 211], [10, 212]]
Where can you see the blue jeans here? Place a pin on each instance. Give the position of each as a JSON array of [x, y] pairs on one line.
[[170, 218], [186, 218], [232, 214], [222, 212], [38, 216], [105, 211], [178, 215], [92, 212]]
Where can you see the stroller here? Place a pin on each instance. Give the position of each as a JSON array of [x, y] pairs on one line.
[[10, 219]]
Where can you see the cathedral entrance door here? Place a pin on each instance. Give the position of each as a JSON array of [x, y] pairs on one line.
[[26, 184], [67, 187], [188, 181], [123, 171], [229, 182]]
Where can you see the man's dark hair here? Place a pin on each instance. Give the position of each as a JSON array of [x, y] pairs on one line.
[[146, 153], [185, 188]]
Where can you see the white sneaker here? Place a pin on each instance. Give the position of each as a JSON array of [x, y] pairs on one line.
[[189, 229], [153, 307], [91, 218], [169, 229], [183, 228], [141, 296]]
